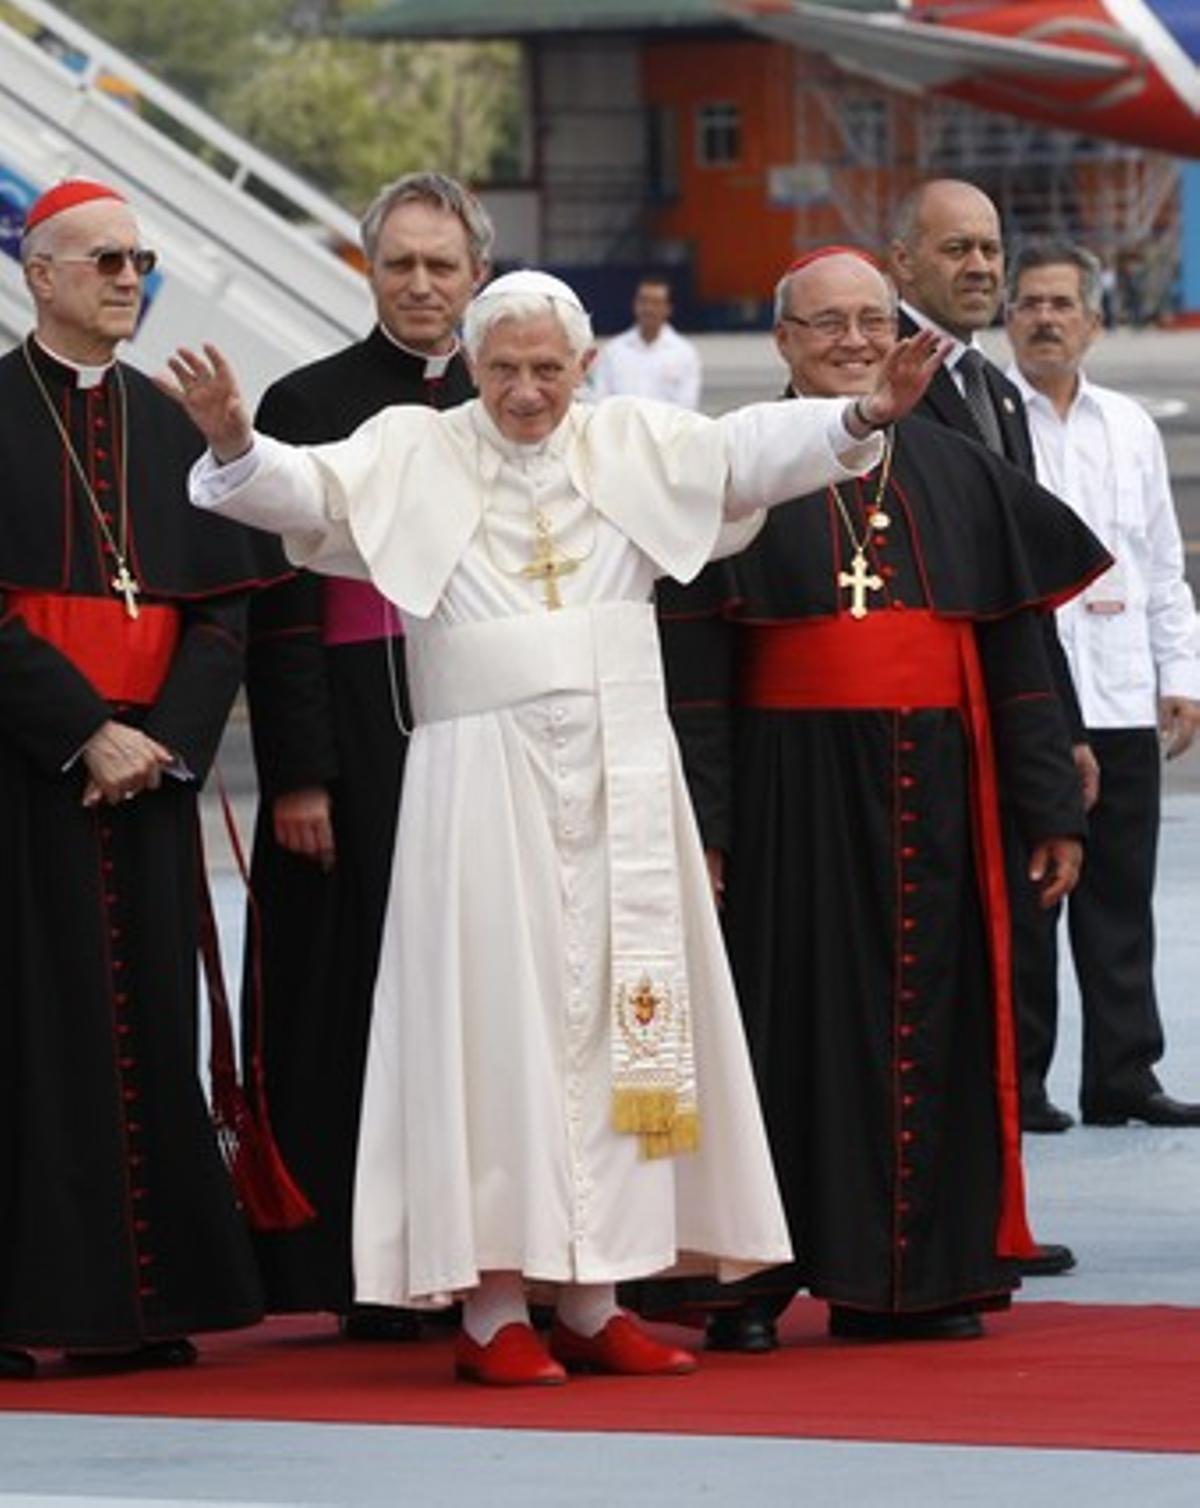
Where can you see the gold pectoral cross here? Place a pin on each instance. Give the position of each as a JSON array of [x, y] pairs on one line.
[[547, 567], [124, 583], [860, 580]]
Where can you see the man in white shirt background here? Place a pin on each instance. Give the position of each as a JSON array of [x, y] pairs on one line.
[[1131, 644], [650, 359]]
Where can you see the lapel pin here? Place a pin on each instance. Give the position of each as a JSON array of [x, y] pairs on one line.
[[1009, 407]]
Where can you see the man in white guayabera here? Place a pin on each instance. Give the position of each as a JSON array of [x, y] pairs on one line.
[[557, 1087]]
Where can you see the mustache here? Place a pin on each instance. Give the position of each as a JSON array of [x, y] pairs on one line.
[[1045, 332]]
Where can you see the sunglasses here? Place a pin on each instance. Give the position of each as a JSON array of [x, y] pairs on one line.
[[110, 261]]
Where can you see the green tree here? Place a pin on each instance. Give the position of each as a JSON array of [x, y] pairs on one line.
[[346, 114], [195, 47], [350, 115]]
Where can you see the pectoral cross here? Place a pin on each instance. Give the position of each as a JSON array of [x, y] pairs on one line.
[[860, 581], [124, 583], [547, 567]]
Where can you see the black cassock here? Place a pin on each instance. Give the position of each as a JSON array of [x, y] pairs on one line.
[[324, 714], [865, 908], [117, 1219]]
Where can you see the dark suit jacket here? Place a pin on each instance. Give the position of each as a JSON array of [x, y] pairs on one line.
[[944, 404]]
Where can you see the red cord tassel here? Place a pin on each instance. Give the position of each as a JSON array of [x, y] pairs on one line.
[[267, 1192]]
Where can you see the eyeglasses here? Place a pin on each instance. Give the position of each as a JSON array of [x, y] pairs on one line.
[[873, 323], [1055, 303], [110, 261]]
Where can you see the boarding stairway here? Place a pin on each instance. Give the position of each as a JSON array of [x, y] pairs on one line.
[[251, 257]]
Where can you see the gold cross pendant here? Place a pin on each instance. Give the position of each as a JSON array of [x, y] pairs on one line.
[[546, 567], [860, 580], [124, 583]]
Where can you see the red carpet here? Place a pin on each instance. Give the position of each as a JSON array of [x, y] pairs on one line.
[[1063, 1375]]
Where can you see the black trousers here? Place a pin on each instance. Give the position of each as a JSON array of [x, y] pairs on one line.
[[1110, 924]]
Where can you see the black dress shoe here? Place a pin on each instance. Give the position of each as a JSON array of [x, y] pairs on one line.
[[380, 1322], [18, 1365], [1156, 1109], [1046, 1261], [745, 1329], [153, 1356], [873, 1324], [1042, 1117]]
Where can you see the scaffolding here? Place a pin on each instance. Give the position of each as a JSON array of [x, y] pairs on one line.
[[875, 144]]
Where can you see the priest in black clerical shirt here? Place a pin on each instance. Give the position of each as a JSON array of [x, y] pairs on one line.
[[328, 707], [884, 681]]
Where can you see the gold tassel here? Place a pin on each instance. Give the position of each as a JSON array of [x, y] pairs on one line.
[[683, 1135], [643, 1110]]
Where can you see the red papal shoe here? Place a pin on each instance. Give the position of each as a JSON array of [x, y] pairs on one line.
[[622, 1348], [513, 1358]]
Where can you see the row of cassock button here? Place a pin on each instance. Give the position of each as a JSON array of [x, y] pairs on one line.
[[905, 1092], [126, 1060], [557, 728]]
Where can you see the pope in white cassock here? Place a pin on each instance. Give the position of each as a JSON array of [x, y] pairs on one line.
[[557, 1085]]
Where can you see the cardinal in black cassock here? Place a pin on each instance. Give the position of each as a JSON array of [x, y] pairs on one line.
[[328, 704], [119, 1230], [848, 726]]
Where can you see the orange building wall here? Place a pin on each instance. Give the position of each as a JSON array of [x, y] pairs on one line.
[[740, 241]]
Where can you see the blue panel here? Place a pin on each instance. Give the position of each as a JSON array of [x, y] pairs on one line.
[[16, 195], [1182, 20], [1189, 277]]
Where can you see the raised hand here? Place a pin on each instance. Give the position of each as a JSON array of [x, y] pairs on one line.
[[206, 389], [903, 375]]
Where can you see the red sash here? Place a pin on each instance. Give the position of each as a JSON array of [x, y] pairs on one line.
[[907, 659], [126, 659]]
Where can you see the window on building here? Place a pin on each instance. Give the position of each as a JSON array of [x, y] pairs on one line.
[[867, 123], [718, 135], [663, 154]]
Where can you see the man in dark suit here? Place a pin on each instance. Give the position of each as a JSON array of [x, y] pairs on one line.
[[947, 259]]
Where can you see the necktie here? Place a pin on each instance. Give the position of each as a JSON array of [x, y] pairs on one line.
[[979, 399]]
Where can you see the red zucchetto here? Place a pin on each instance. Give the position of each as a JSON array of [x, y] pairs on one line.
[[66, 195], [819, 255]]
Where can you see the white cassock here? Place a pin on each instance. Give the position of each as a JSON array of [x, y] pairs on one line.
[[542, 791]]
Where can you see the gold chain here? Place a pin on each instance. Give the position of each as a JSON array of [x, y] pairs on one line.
[[123, 582], [885, 470]]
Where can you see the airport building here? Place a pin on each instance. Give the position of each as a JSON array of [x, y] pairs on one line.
[[671, 134]]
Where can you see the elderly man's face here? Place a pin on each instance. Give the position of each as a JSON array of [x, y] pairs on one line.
[[838, 325], [83, 313], [527, 375], [422, 276], [953, 271], [1049, 325]]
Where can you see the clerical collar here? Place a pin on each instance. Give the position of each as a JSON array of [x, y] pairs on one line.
[[435, 365], [85, 377]]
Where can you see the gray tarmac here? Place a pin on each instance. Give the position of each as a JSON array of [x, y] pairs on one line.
[[1127, 1199]]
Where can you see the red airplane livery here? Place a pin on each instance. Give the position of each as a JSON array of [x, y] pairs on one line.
[[1126, 70]]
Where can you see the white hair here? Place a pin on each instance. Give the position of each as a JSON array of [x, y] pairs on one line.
[[489, 309]]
